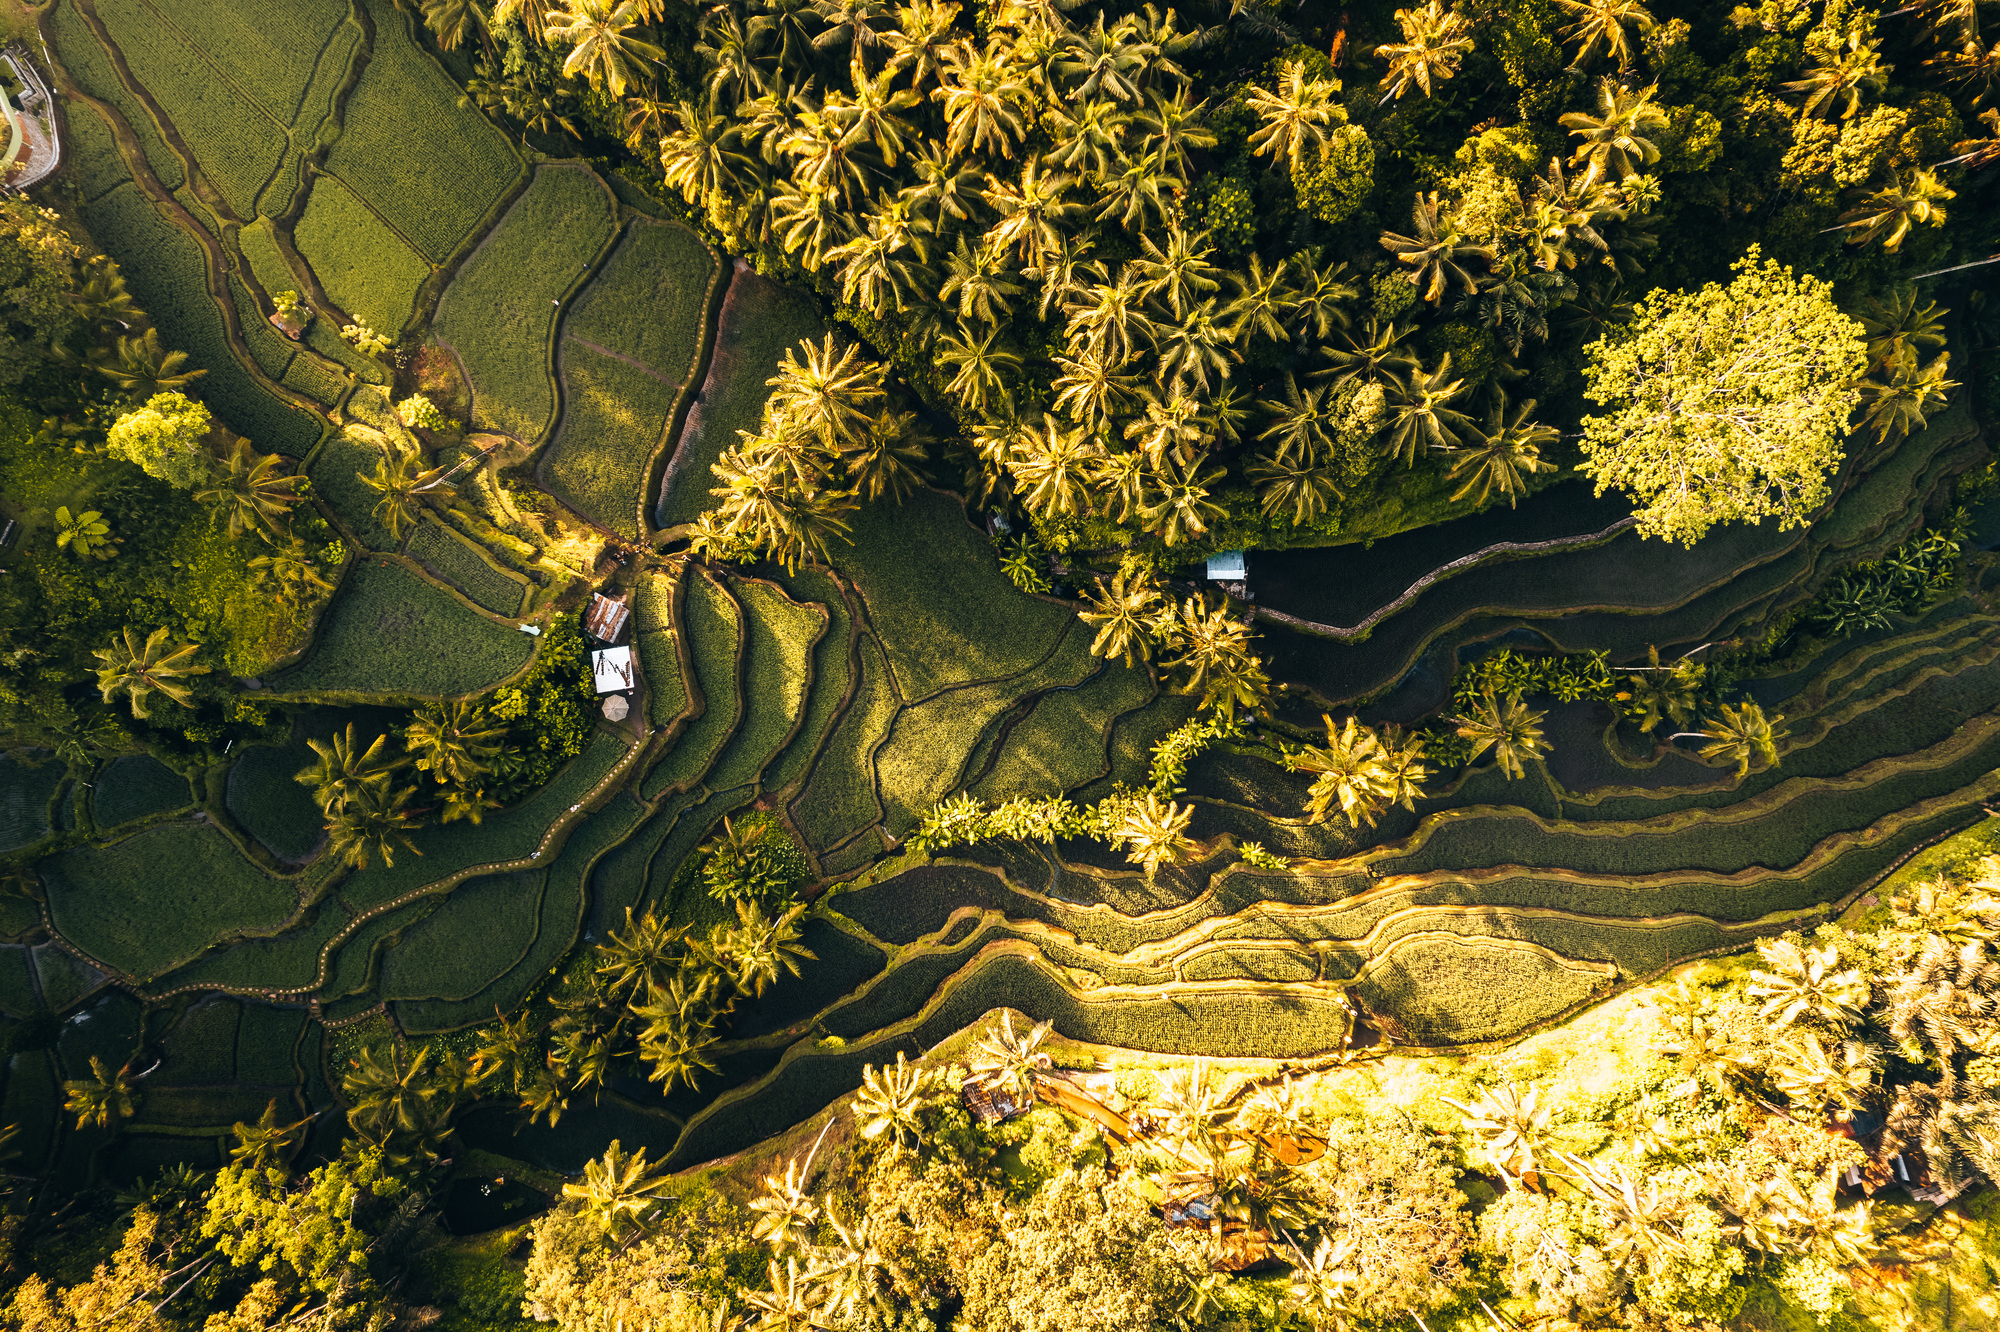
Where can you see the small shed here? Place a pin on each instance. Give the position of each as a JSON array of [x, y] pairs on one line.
[[611, 670], [1228, 566], [606, 619]]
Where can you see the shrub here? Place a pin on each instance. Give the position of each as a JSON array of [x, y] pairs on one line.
[[166, 438]]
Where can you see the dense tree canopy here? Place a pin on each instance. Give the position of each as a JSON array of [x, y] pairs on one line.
[[1730, 403]]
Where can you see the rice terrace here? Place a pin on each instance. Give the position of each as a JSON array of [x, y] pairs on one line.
[[1043, 665]]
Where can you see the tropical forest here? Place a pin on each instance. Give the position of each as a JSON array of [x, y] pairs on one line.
[[999, 665]]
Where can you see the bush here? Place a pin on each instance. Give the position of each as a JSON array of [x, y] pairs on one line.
[[165, 438]]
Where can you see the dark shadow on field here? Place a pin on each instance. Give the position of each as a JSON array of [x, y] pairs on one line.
[[1343, 585]]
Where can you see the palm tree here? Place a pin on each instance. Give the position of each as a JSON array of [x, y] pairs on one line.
[[1295, 117], [373, 821], [602, 49], [1152, 833], [1034, 214], [1421, 417], [1799, 982], [1435, 39], [1941, 1003], [104, 1098], [732, 51], [1264, 301], [1610, 24], [453, 741], [617, 1190], [889, 459], [1178, 505], [981, 282], [759, 949], [1322, 1285], [1508, 728], [1743, 735], [265, 1144], [1215, 655], [1322, 295], [766, 504], [1141, 190], [1122, 610], [388, 1095], [829, 395], [1198, 346], [1898, 406], [1374, 354], [1176, 427], [982, 100], [849, 23], [144, 368], [1511, 1126], [452, 21], [533, 14], [1839, 77], [704, 156], [792, 1303], [1109, 319], [1010, 1063], [1178, 275], [138, 670], [1103, 60], [1303, 425], [787, 1214], [403, 482], [1302, 492], [1438, 253], [512, 1051], [1091, 392], [83, 534], [1505, 449], [981, 371], [856, 1266], [891, 1101], [1898, 326], [1169, 129], [251, 491], [1353, 772], [1614, 141], [344, 769], [101, 297], [1053, 470], [1654, 693], [924, 30], [641, 954], [1813, 1076], [1888, 214]]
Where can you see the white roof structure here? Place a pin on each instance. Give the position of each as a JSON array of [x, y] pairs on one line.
[[616, 708], [1228, 564], [611, 670]]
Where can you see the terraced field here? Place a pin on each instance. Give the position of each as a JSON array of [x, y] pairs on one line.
[[847, 700]]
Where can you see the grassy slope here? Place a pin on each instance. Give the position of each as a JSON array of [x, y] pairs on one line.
[[159, 897], [365, 268], [389, 632], [410, 146], [499, 312]]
